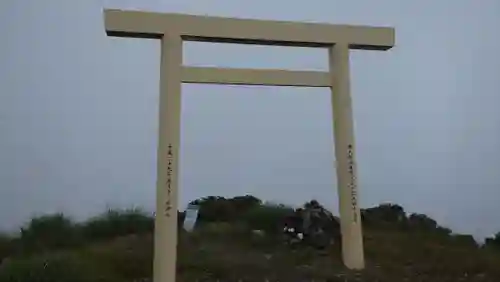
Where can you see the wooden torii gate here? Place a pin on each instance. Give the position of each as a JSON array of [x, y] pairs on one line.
[[173, 29]]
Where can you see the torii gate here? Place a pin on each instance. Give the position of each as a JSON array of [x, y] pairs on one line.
[[173, 29]]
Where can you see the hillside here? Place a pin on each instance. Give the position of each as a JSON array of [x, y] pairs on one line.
[[118, 245]]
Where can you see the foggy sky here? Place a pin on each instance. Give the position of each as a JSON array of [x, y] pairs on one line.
[[78, 111]]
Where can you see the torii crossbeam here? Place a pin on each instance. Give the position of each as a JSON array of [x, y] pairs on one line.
[[173, 29]]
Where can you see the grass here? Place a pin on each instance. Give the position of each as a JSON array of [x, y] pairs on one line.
[[118, 246]]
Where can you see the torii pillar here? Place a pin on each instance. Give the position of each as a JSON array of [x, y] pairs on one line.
[[173, 29]]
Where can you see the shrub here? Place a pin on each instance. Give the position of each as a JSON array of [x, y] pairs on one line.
[[129, 257], [116, 223], [384, 214], [48, 232], [266, 217], [7, 246], [220, 209], [54, 267], [463, 240], [422, 222], [493, 242]]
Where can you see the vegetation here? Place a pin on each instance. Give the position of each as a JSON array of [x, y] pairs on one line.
[[118, 246]]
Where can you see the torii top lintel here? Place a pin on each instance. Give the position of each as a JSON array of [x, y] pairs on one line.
[[140, 24]]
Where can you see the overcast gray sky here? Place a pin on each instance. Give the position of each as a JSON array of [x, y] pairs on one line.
[[78, 111]]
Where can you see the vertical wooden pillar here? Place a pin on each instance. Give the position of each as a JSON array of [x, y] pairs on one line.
[[350, 217], [165, 243]]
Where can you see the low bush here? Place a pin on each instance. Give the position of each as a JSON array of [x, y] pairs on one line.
[[48, 232], [116, 223], [53, 267]]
